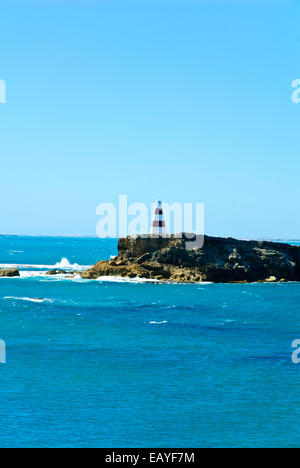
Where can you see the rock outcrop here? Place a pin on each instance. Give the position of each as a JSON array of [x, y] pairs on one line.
[[56, 272], [10, 273], [220, 260]]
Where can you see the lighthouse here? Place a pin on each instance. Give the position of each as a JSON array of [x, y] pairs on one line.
[[158, 227]]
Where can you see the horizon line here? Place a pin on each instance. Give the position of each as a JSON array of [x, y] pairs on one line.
[[74, 236]]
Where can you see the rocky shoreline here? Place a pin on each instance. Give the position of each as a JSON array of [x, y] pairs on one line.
[[9, 273], [220, 260]]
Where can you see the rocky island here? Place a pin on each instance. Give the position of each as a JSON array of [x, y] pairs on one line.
[[220, 260], [9, 273]]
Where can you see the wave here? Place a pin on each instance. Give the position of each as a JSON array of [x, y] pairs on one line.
[[158, 323], [120, 279], [40, 273], [33, 274], [24, 265], [42, 276], [28, 299], [63, 264]]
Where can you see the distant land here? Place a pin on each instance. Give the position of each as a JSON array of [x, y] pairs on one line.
[[78, 236]]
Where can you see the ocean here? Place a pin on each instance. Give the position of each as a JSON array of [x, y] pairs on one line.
[[131, 364]]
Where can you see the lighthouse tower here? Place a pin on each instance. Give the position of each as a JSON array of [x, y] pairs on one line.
[[158, 227]]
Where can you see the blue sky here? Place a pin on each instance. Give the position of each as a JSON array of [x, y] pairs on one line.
[[187, 101]]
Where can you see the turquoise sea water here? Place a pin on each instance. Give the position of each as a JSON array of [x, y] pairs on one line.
[[111, 364]]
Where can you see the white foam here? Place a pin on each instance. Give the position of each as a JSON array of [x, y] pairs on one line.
[[28, 299], [75, 279], [32, 274], [41, 274], [24, 265], [158, 323], [63, 264], [38, 274], [120, 279]]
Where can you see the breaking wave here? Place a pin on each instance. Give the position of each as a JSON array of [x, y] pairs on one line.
[[28, 299], [119, 279], [63, 264], [158, 323]]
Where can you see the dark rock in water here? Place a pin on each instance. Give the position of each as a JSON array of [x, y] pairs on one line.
[[10, 273], [220, 260], [56, 272], [51, 273]]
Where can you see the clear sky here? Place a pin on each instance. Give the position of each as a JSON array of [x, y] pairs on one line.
[[187, 101]]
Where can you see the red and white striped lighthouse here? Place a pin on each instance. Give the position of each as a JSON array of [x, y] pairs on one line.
[[158, 227]]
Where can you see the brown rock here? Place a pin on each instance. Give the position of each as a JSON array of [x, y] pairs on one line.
[[56, 272], [9, 273], [219, 260]]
